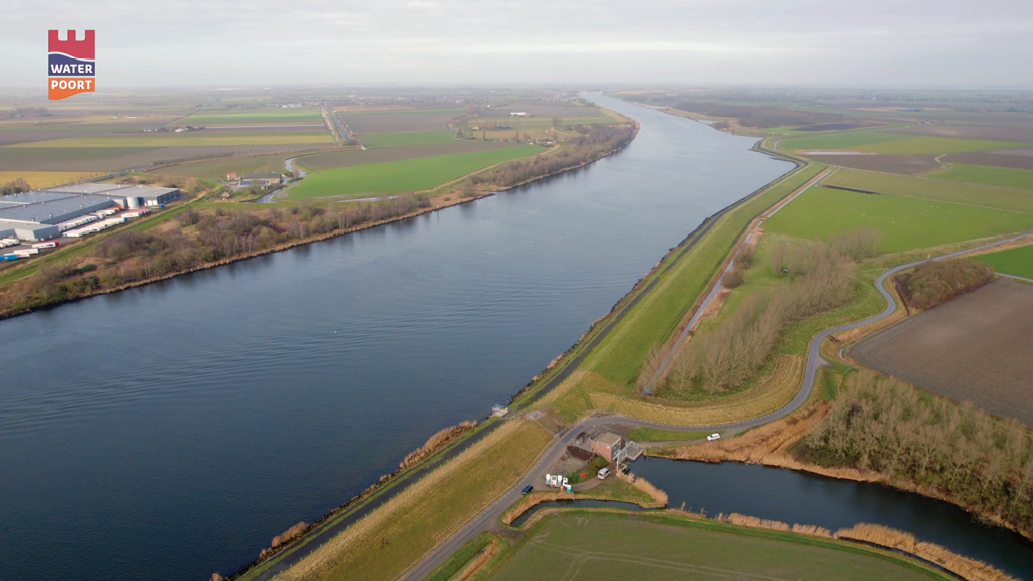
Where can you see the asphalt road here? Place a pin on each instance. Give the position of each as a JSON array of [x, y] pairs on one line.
[[535, 476]]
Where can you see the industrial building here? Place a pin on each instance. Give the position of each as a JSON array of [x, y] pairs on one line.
[[262, 179], [44, 214]]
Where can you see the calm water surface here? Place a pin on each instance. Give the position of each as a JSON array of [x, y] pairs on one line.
[[171, 431], [797, 497]]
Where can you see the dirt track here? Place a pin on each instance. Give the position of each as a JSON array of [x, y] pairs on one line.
[[975, 348]]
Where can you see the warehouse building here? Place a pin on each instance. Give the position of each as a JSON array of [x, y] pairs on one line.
[[34, 216]]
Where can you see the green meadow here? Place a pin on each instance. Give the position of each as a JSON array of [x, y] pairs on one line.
[[411, 138], [934, 146], [410, 175], [840, 140], [905, 223], [1004, 177], [1016, 261], [933, 188]]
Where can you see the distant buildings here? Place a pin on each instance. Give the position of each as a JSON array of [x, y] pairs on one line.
[[41, 215], [264, 180], [517, 114]]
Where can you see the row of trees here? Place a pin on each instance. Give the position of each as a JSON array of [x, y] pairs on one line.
[[882, 425], [934, 283], [200, 237], [596, 142], [818, 279], [15, 186], [22, 112]]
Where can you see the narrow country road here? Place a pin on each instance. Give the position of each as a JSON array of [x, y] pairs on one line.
[[535, 476]]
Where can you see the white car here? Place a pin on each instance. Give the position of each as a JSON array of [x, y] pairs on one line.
[[603, 474], [713, 437]]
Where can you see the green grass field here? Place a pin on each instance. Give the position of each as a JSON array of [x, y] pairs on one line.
[[1016, 262], [599, 547], [906, 223], [405, 113], [540, 122], [891, 143], [934, 189], [934, 146], [267, 116], [1003, 177], [402, 176], [651, 435], [411, 138], [840, 140]]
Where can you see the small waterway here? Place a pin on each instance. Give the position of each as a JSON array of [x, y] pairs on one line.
[[798, 497]]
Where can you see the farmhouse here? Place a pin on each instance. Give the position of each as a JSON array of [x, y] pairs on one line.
[[262, 179], [518, 114]]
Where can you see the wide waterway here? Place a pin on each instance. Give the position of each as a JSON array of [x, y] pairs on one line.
[[171, 431]]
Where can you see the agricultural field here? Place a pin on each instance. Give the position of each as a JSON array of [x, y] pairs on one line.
[[400, 121], [402, 176], [107, 159], [1014, 261], [895, 164], [934, 189], [40, 180], [990, 176], [354, 156], [201, 138], [1012, 158], [414, 138], [217, 170], [596, 547], [892, 143], [266, 116], [906, 223], [973, 348], [994, 131]]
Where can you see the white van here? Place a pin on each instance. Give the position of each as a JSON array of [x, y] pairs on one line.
[[713, 437], [603, 474]]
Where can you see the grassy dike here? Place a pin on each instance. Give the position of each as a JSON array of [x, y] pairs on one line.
[[480, 464]]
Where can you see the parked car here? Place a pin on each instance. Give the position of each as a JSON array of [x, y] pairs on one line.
[[713, 437], [603, 474], [527, 489]]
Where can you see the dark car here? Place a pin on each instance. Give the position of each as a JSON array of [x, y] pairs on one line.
[[527, 489]]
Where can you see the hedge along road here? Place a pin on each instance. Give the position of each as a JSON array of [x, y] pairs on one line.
[[814, 360]]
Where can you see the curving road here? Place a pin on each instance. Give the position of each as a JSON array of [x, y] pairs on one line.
[[489, 516]]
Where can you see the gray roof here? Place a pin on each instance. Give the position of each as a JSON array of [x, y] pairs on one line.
[[263, 176], [33, 197], [86, 188], [140, 191], [55, 211]]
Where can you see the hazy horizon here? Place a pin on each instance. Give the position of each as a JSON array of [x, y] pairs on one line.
[[957, 45]]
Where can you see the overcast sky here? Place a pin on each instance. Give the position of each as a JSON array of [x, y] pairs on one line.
[[948, 43]]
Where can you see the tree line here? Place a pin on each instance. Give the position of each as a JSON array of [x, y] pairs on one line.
[[195, 238], [935, 283], [21, 112], [882, 425], [15, 186], [591, 144], [818, 278]]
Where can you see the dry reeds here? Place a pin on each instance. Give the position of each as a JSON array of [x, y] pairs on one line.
[[970, 569], [645, 486], [436, 443]]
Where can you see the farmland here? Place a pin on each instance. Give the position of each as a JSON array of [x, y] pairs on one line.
[[596, 546], [1015, 261], [906, 223], [106, 159], [895, 164], [973, 348], [986, 175], [267, 116], [217, 170], [355, 156], [47, 179], [400, 121], [892, 143], [414, 138], [402, 176], [192, 139], [934, 189], [1010, 158]]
